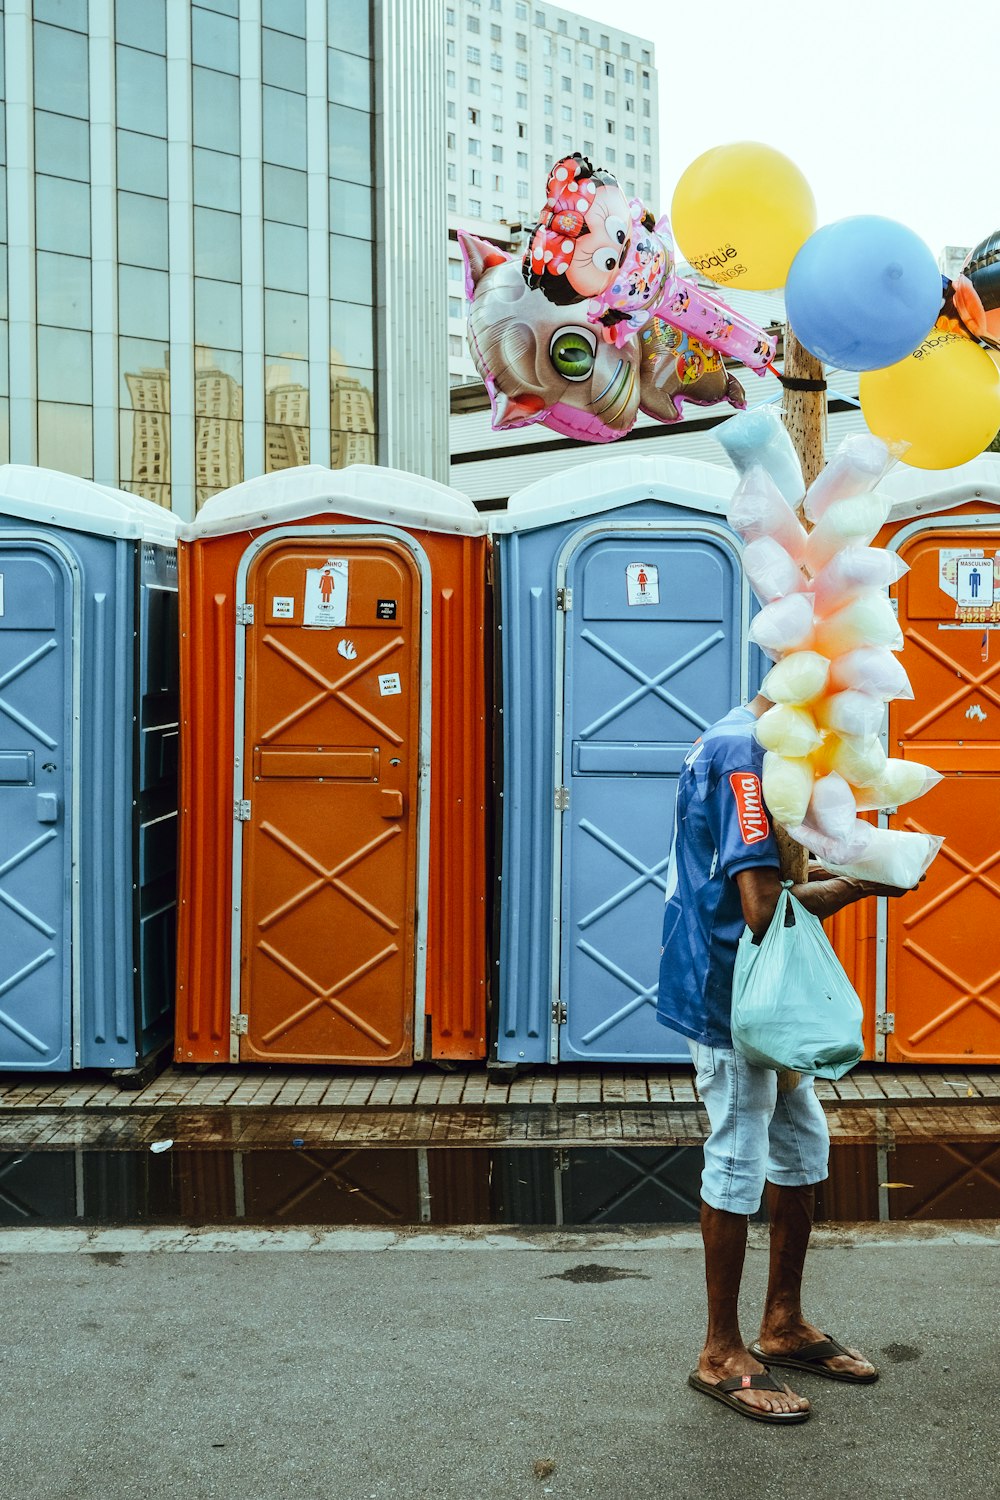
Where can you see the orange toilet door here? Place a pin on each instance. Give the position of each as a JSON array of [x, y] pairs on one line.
[[943, 969], [331, 774]]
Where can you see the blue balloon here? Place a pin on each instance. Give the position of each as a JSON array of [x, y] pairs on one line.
[[863, 293]]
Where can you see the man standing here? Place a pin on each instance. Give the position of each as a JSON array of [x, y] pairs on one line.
[[724, 874]]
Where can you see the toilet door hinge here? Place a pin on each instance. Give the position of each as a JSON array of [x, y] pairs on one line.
[[241, 812], [238, 1024], [562, 798], [244, 614], [885, 1023], [559, 1015], [564, 599]]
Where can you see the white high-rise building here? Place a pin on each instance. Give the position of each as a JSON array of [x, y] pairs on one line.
[[526, 84]]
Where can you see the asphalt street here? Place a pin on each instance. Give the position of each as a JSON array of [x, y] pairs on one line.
[[499, 1367]]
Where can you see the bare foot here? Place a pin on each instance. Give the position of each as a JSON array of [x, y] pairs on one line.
[[714, 1368], [786, 1339]]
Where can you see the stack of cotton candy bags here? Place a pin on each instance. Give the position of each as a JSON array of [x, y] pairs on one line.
[[827, 624]]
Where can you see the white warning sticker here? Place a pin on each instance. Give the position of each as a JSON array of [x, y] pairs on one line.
[[326, 594], [642, 583], [282, 607], [389, 683]]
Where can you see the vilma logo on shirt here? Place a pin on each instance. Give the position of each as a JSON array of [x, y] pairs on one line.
[[750, 806]]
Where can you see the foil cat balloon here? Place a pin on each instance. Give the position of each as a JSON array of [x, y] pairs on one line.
[[541, 362]]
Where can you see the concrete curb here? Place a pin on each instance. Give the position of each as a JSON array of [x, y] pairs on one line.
[[983, 1234]]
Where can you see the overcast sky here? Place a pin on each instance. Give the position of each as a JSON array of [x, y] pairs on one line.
[[887, 106]]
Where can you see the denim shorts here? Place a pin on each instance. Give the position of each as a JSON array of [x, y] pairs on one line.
[[758, 1135]]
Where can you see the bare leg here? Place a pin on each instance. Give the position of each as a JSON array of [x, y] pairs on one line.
[[783, 1329], [725, 1354]]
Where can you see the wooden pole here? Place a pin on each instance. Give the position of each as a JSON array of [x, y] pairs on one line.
[[804, 414]]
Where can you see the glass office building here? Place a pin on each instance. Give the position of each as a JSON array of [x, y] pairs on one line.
[[224, 239]]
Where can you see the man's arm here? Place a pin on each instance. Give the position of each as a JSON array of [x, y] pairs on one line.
[[760, 888]]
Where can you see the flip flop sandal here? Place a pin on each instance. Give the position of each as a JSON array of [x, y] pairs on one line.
[[810, 1358], [762, 1381]]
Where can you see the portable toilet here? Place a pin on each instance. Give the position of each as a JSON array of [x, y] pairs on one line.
[[88, 774], [929, 981], [333, 692], [621, 614]]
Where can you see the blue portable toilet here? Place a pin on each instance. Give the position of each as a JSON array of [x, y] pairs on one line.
[[622, 614], [88, 773]]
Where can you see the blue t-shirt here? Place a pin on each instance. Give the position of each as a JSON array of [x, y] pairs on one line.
[[721, 826]]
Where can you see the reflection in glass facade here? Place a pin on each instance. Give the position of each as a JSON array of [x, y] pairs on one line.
[[194, 288]]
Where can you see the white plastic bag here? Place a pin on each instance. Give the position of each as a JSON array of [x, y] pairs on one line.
[[784, 625], [787, 786], [901, 781], [857, 466], [832, 810], [798, 678], [847, 523], [770, 570], [892, 858], [860, 762], [857, 715], [868, 620], [760, 437], [833, 851], [873, 670], [758, 508], [787, 731], [793, 1005], [853, 571]]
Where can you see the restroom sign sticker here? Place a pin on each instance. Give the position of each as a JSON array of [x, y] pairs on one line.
[[642, 583], [326, 594]]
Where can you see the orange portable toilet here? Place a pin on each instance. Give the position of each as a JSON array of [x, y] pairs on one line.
[[928, 965], [333, 772]]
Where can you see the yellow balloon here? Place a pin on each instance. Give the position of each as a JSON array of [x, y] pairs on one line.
[[942, 402], [741, 213]]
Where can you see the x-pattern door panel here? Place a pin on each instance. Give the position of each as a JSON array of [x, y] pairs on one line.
[[35, 738], [642, 680], [331, 758], [943, 972]]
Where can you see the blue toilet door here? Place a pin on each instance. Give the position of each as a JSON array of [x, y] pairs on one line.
[[36, 641], [652, 656]]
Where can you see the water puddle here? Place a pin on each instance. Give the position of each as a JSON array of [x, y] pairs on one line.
[[580, 1186]]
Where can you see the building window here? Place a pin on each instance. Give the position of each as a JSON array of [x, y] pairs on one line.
[[455, 345], [522, 189], [629, 106], [630, 132], [474, 146], [566, 53], [645, 79], [588, 63], [548, 135], [496, 94], [452, 172], [629, 160], [645, 107], [497, 183], [610, 154], [498, 122], [547, 104], [522, 159], [609, 126], [567, 85], [450, 47], [609, 96], [588, 91], [452, 203], [522, 130], [520, 11], [496, 33], [498, 153], [449, 78], [452, 140], [472, 24], [454, 307], [547, 74], [561, 27], [473, 116], [646, 138], [605, 41], [475, 177], [630, 75], [588, 148], [521, 70], [496, 62], [472, 54], [521, 42], [588, 120], [475, 208], [498, 210], [522, 101], [609, 70], [450, 109], [585, 35]]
